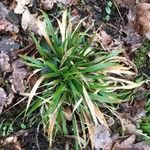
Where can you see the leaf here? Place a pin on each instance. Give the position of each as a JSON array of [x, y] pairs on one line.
[[102, 138], [104, 98], [4, 62], [41, 31], [62, 25], [130, 84], [108, 10], [33, 91], [21, 6], [97, 67], [51, 127], [32, 61], [100, 117], [90, 105], [51, 65], [90, 130]]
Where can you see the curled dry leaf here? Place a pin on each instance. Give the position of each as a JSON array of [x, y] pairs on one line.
[[37, 25], [102, 139], [104, 39], [4, 62], [21, 6], [26, 20], [126, 144], [143, 19]]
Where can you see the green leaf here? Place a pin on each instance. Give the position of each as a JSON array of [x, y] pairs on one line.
[[32, 62], [64, 124], [97, 67], [108, 10], [109, 3], [107, 17], [104, 98], [23, 126], [51, 65]]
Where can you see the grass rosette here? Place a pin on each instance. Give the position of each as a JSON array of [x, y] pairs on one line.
[[75, 80]]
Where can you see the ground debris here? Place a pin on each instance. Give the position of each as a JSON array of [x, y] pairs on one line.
[[4, 62], [47, 4], [22, 5], [11, 143], [4, 99], [102, 138], [126, 144], [104, 39], [130, 143], [18, 75], [143, 19], [8, 45], [26, 20], [126, 3], [5, 25], [68, 2]]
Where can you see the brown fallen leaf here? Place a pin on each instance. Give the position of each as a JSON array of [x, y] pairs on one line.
[[104, 39], [126, 144], [143, 19], [68, 113], [7, 26], [18, 79], [10, 143], [48, 4], [3, 24], [141, 146], [4, 62], [129, 144], [102, 138], [18, 75]]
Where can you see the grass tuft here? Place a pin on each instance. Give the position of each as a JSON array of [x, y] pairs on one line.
[[75, 80]]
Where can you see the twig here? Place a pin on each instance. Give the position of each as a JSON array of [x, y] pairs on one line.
[[36, 137], [119, 11]]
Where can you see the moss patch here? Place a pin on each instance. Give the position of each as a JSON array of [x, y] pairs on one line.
[[140, 55]]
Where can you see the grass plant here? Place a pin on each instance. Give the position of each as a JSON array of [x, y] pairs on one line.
[[75, 80]]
